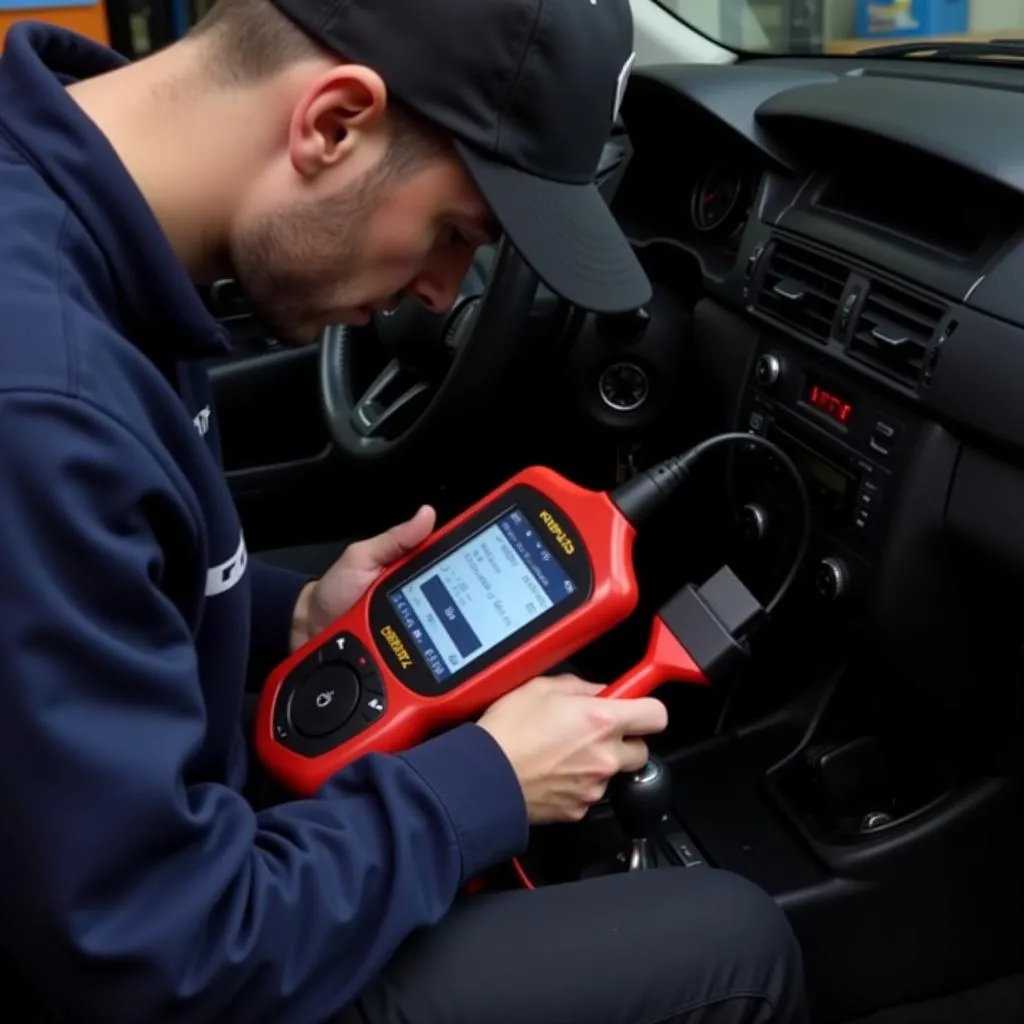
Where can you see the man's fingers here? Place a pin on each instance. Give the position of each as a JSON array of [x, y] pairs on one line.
[[633, 716], [633, 754], [641, 716], [572, 685]]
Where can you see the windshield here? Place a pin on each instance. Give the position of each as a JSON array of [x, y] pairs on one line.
[[851, 26]]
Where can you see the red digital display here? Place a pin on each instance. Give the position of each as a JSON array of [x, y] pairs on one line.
[[830, 403]]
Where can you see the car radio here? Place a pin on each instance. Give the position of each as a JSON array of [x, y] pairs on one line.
[[847, 496], [850, 448]]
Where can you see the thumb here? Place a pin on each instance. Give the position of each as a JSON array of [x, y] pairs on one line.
[[393, 544]]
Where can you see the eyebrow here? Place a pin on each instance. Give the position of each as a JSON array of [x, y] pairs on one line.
[[484, 222]]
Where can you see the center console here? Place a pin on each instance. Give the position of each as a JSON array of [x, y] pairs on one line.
[[824, 775], [834, 773], [850, 446]]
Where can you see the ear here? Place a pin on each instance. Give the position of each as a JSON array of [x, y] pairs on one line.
[[331, 114]]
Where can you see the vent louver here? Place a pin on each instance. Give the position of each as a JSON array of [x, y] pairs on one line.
[[894, 331], [802, 288]]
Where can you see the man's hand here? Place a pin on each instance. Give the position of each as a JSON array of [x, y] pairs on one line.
[[565, 743], [324, 600]]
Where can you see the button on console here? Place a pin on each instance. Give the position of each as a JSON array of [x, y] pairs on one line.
[[865, 507], [884, 437], [684, 849], [325, 700]]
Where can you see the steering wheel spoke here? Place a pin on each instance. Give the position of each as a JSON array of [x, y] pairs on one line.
[[394, 391], [461, 355]]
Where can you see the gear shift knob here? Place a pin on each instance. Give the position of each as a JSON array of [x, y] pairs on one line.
[[640, 800]]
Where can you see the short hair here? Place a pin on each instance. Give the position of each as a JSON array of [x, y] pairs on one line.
[[251, 41]]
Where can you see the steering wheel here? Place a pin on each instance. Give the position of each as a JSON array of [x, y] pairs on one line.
[[439, 364]]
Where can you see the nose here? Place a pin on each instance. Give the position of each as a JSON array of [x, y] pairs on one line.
[[438, 286]]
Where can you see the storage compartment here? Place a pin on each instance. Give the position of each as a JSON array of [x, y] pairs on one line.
[[873, 761], [986, 506]]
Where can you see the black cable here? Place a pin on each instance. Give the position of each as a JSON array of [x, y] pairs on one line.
[[798, 482], [640, 496]]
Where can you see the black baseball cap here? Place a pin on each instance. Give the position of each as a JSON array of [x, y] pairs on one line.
[[528, 90]]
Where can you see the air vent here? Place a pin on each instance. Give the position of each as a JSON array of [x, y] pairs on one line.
[[894, 331], [802, 288]]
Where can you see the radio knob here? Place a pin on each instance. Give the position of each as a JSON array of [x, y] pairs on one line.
[[832, 580], [753, 522], [768, 369]]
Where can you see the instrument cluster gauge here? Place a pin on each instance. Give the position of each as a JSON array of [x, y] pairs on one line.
[[718, 199]]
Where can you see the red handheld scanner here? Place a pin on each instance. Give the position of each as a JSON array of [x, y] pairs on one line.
[[512, 587]]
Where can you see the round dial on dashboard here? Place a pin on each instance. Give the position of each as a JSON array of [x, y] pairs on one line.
[[832, 579], [716, 197], [623, 387], [752, 520], [768, 369]]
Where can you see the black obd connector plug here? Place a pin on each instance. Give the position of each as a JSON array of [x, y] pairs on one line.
[[713, 622]]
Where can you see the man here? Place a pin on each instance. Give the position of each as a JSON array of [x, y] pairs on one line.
[[332, 155]]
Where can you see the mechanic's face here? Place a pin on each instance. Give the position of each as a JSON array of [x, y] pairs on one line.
[[353, 233]]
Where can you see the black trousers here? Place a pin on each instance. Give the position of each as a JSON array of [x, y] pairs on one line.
[[668, 946]]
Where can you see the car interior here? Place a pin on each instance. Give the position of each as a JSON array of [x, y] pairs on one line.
[[837, 254], [836, 247], [837, 271]]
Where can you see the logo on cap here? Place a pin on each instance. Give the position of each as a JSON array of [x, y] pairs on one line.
[[620, 86]]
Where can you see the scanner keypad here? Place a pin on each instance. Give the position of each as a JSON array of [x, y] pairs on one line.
[[331, 696]]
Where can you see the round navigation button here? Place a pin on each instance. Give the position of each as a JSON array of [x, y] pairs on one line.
[[325, 700]]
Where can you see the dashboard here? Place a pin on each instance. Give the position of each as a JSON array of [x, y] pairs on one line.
[[856, 231]]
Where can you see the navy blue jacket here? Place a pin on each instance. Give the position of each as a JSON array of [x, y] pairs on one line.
[[136, 883]]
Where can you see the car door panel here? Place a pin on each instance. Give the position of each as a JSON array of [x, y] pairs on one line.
[[269, 412]]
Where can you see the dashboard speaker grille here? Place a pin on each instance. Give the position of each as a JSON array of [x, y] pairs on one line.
[[894, 332], [802, 288]]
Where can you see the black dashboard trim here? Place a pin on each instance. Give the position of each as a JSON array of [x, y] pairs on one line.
[[778, 111], [730, 93], [917, 115]]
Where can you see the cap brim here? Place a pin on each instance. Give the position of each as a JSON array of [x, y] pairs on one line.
[[566, 233]]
